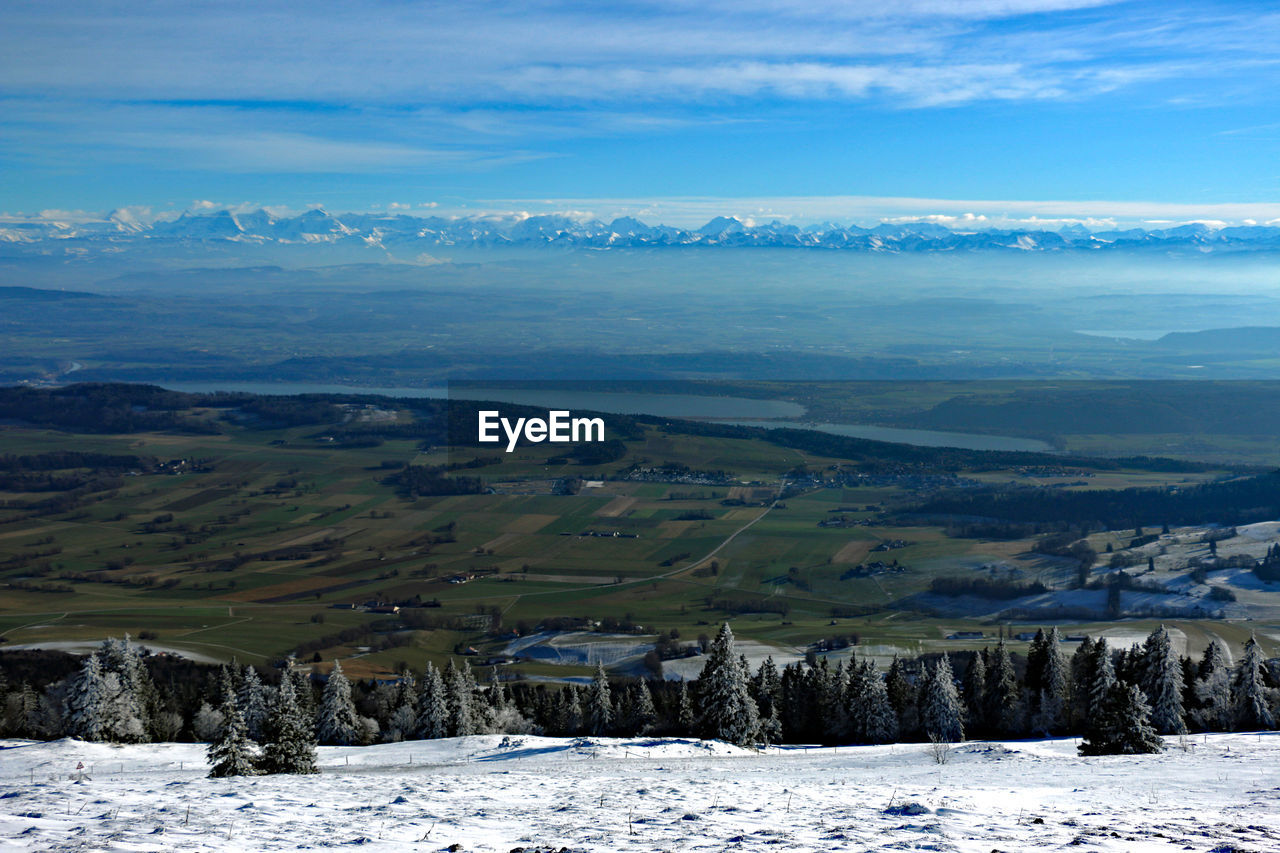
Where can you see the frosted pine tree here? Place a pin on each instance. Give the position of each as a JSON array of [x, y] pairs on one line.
[[433, 712], [1121, 725], [727, 711], [1249, 696], [136, 700], [290, 740], [571, 710], [1104, 677], [1054, 685], [459, 700], [1213, 689], [1161, 682], [940, 712], [337, 722], [252, 700], [686, 720], [232, 753], [872, 719], [597, 710], [643, 714], [85, 710]]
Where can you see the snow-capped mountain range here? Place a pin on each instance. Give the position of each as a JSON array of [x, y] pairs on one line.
[[400, 233]]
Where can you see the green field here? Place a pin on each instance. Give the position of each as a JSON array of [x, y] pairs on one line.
[[259, 540]]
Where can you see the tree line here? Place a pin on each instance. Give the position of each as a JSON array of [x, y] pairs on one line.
[[1119, 700]]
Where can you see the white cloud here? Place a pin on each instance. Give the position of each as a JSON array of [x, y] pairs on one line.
[[868, 210]]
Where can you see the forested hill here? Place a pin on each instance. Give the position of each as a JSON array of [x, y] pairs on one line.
[[127, 408], [1239, 501]]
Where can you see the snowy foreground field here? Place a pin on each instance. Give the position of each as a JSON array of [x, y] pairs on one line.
[[500, 793]]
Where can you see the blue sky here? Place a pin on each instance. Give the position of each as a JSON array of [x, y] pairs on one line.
[[805, 110]]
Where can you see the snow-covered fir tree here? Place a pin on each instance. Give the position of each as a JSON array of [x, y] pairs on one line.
[[433, 711], [402, 718], [726, 710], [290, 743], [643, 714], [1161, 682], [232, 754], [597, 708], [871, 716], [1121, 725], [1213, 690], [1104, 677], [686, 719], [940, 712], [459, 699], [137, 699], [251, 699], [1250, 702], [337, 722], [85, 711], [1054, 685]]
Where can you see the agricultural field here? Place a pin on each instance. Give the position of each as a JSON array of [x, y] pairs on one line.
[[258, 541]]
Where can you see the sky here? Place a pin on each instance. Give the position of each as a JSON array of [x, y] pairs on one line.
[[675, 111]]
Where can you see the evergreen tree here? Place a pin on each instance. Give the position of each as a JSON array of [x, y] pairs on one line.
[[597, 711], [1054, 685], [133, 703], [643, 714], [727, 711], [85, 711], [1249, 699], [458, 699], [290, 740], [1104, 678], [1003, 711], [252, 701], [403, 719], [1082, 669], [766, 690], [571, 714], [337, 722], [232, 753], [975, 694], [433, 711], [940, 712], [1162, 683], [902, 696], [685, 719], [1213, 690], [831, 699], [1121, 725], [871, 716]]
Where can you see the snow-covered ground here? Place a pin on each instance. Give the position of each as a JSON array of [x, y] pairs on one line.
[[501, 793]]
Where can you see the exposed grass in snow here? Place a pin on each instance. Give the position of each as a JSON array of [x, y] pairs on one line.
[[498, 793]]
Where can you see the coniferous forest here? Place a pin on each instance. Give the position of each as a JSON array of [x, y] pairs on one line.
[[1119, 701]]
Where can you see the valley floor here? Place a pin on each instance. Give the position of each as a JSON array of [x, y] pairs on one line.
[[496, 793]]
